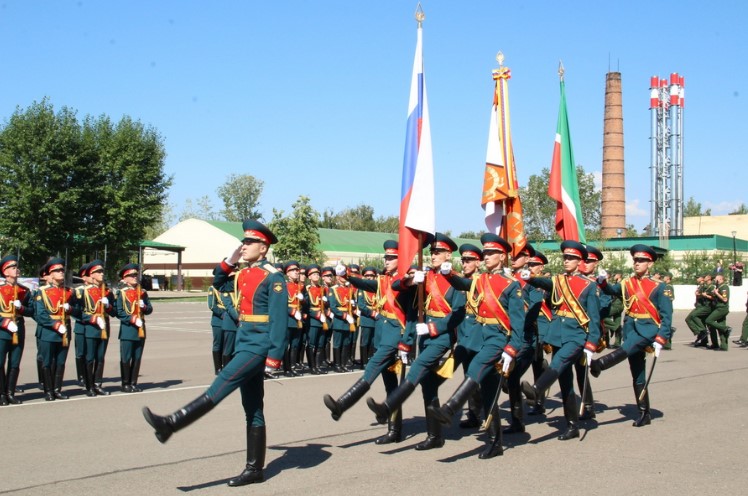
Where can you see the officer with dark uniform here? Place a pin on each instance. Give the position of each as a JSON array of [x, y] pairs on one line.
[[296, 297], [367, 305], [328, 280], [536, 266], [217, 309], [444, 311], [574, 332], [667, 278], [612, 322], [262, 299], [717, 319], [79, 333], [52, 314], [317, 311], [97, 305], [342, 300], [649, 313], [702, 309], [15, 303], [351, 363], [43, 283], [230, 321], [131, 308], [395, 303], [501, 312]]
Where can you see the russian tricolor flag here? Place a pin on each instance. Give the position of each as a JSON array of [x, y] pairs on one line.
[[417, 193]]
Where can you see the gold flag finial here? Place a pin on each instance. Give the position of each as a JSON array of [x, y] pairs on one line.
[[500, 59], [420, 16], [560, 70]]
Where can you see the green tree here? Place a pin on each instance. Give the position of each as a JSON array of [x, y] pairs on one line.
[[388, 224], [741, 210], [241, 197], [539, 209], [471, 234], [298, 235], [692, 208], [202, 209]]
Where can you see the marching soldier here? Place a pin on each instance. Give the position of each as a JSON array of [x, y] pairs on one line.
[[574, 332], [342, 300], [536, 266], [295, 316], [15, 303], [79, 333], [367, 305], [717, 319], [133, 305], [217, 309], [317, 311], [230, 321], [52, 313], [97, 305], [262, 300], [501, 312], [649, 314], [351, 363], [702, 309], [612, 321], [394, 303]]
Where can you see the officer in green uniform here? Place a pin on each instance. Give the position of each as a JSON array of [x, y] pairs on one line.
[[717, 319], [501, 313], [342, 300], [649, 314], [743, 341], [230, 321], [351, 363], [262, 300], [15, 303], [97, 304], [612, 322], [79, 334], [536, 266], [367, 305], [217, 309], [132, 305], [702, 309], [316, 309], [667, 278], [296, 297], [444, 311]]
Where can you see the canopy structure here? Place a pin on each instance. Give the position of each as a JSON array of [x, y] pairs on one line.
[[155, 245]]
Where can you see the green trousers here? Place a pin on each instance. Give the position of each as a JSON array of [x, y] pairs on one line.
[[695, 319]]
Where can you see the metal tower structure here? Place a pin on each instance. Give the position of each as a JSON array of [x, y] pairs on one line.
[[666, 102]]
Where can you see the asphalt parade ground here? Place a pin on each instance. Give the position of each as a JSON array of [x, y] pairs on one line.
[[696, 443]]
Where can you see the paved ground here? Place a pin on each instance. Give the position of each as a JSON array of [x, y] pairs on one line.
[[102, 446]]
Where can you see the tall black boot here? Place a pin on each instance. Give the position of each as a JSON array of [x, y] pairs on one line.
[[252, 473], [80, 369], [392, 403], [99, 380], [319, 357], [311, 361], [394, 429], [124, 368], [701, 340], [473, 413], [345, 357], [88, 378], [166, 426], [49, 384], [588, 411], [607, 361], [40, 371], [347, 400], [225, 359], [336, 360], [454, 404], [364, 351], [287, 365], [572, 418], [134, 373], [3, 387], [434, 437], [516, 424], [12, 382], [536, 392], [645, 418], [295, 358], [494, 445], [59, 374], [217, 362]]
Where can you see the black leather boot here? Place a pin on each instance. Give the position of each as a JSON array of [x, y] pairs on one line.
[[494, 446], [166, 426], [571, 414], [49, 384], [454, 404], [225, 359], [434, 437], [311, 361], [393, 402], [80, 369], [607, 361], [473, 413], [287, 366], [645, 417], [99, 380], [3, 387], [295, 368], [516, 425], [364, 350], [701, 340], [536, 392], [40, 371], [217, 362], [394, 429], [347, 400], [12, 382], [88, 379], [319, 357], [124, 368], [59, 374], [344, 359], [336, 360], [134, 373], [252, 473]]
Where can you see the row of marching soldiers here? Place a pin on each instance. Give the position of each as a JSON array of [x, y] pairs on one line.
[[51, 306], [495, 325]]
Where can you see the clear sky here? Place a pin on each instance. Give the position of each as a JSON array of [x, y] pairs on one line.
[[311, 96]]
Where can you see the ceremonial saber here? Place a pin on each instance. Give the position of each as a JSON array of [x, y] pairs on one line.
[[646, 384], [586, 384], [489, 417]]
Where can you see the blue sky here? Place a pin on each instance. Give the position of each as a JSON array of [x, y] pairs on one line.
[[311, 97]]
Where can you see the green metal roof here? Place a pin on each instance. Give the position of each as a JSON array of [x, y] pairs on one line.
[[161, 246], [703, 242], [232, 228]]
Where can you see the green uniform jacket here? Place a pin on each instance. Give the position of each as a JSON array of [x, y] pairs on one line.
[[633, 322], [127, 310]]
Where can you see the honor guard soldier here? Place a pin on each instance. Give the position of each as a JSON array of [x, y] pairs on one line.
[[444, 309], [394, 303], [262, 299], [296, 298], [367, 305], [317, 311], [536, 266], [355, 271], [667, 278], [52, 313], [15, 303], [79, 333], [574, 332], [649, 313], [501, 313], [230, 322], [342, 300], [217, 309], [97, 305], [716, 322], [132, 306]]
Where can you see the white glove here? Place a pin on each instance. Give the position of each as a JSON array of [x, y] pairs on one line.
[[17, 303], [422, 328], [234, 256], [62, 329], [446, 268], [508, 271], [340, 269], [141, 303], [300, 296], [657, 347], [602, 273], [297, 315], [588, 355], [324, 298], [349, 319], [403, 356], [12, 327], [322, 318], [524, 274], [507, 360], [138, 322], [66, 307], [357, 312], [104, 301], [419, 276], [100, 322]]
